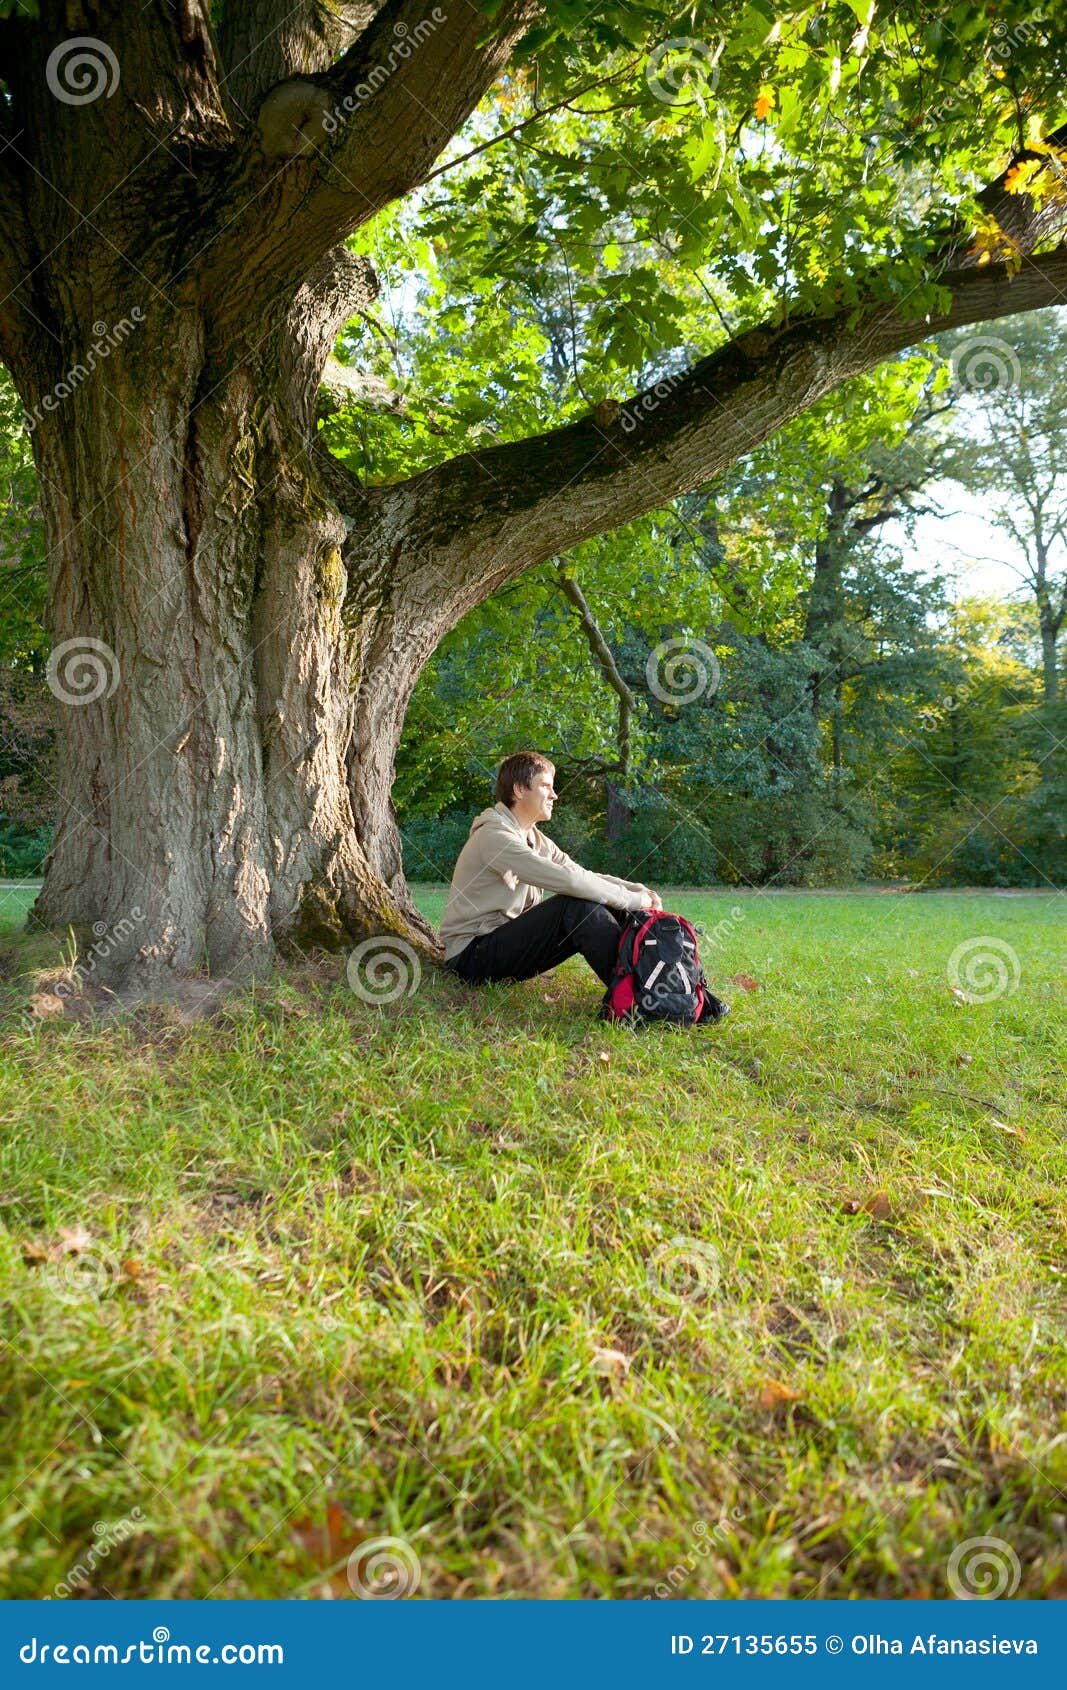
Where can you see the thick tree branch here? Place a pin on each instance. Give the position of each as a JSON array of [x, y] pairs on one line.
[[262, 42], [331, 150], [1025, 223], [136, 106], [341, 284], [486, 518]]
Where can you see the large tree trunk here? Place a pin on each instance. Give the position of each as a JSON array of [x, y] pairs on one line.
[[231, 677], [231, 656], [824, 609], [1051, 611], [619, 814], [1049, 666]]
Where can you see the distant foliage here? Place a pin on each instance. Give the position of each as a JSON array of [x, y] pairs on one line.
[[22, 854]]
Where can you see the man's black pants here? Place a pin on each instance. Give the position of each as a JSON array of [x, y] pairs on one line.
[[541, 939]]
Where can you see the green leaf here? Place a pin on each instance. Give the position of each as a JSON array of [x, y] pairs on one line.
[[702, 148]]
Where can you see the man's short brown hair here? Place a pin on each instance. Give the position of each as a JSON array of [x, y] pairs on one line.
[[519, 770]]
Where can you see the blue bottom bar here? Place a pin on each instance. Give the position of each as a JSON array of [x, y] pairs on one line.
[[545, 1645]]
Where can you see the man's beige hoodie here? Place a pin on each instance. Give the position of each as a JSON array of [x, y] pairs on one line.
[[502, 871]]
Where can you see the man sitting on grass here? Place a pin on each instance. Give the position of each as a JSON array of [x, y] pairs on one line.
[[495, 926]]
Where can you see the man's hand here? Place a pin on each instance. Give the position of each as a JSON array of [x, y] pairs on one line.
[[652, 900]]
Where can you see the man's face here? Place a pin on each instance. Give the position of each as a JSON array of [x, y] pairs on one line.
[[539, 796]]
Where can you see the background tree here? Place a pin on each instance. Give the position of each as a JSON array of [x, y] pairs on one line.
[[1015, 400], [978, 796]]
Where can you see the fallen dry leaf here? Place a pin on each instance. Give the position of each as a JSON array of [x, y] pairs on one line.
[[746, 982], [774, 1394], [1006, 1127], [326, 1542], [613, 1363], [33, 1252], [74, 1240], [878, 1205], [604, 1055], [45, 1004]]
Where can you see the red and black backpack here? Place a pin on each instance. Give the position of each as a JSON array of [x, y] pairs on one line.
[[658, 976]]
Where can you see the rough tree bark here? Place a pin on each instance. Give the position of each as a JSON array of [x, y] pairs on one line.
[[259, 617], [232, 672]]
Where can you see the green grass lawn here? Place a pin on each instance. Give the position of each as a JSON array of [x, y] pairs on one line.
[[776, 1309]]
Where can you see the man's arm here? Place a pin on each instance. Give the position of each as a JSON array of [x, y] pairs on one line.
[[628, 886], [631, 885], [559, 874], [649, 899]]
